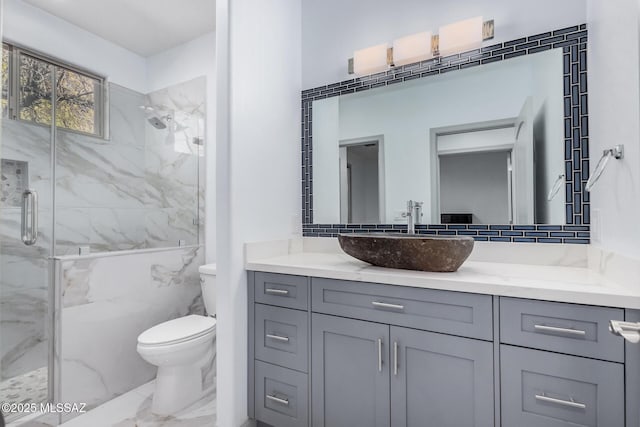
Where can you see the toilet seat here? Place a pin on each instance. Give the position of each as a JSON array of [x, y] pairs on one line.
[[178, 330]]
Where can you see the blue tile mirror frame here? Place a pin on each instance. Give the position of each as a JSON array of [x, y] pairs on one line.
[[576, 230]]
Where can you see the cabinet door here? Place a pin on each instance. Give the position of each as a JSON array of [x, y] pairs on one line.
[[350, 373], [440, 380], [543, 389]]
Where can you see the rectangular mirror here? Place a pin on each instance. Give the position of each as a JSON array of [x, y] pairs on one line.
[[481, 146], [498, 136]]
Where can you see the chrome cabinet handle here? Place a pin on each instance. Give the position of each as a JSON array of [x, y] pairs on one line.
[[278, 338], [379, 354], [387, 305], [395, 358], [569, 403], [278, 400], [276, 291], [29, 233], [544, 328]]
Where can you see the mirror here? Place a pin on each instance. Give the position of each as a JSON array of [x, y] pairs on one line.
[[484, 145]]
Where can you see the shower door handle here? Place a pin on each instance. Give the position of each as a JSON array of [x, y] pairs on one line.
[[29, 223]]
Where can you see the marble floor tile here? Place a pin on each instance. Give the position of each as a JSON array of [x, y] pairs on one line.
[[30, 387], [133, 409]]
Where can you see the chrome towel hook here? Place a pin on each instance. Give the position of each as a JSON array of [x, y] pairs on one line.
[[555, 188], [616, 152]]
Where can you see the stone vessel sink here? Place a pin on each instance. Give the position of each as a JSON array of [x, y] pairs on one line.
[[409, 251]]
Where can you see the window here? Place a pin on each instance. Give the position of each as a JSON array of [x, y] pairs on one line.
[[30, 82]]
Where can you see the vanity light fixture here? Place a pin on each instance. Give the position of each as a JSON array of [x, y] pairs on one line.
[[461, 36], [414, 48], [371, 60], [457, 37]]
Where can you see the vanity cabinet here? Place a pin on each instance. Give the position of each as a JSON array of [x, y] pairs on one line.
[[579, 377], [542, 389], [370, 374], [333, 353], [444, 379], [350, 369]]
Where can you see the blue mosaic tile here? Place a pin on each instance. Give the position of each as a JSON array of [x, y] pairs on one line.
[[549, 227], [500, 227], [545, 240], [478, 227]]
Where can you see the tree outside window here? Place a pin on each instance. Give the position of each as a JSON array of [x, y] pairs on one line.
[[77, 95]]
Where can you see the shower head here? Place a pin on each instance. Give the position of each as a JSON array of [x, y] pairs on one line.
[[157, 123]]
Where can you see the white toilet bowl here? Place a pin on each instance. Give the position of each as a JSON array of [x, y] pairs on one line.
[[179, 348]]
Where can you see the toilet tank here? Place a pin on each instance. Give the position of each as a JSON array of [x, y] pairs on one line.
[[208, 282]]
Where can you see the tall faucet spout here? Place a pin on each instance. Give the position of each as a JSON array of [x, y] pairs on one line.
[[411, 220]]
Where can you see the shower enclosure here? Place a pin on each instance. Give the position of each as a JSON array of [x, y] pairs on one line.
[[86, 166]]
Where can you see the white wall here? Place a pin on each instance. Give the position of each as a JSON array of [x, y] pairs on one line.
[[334, 29], [183, 63], [614, 118], [326, 154], [548, 105], [365, 207], [475, 183], [34, 28], [258, 164]]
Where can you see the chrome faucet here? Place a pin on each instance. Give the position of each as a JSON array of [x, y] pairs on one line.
[[413, 215]]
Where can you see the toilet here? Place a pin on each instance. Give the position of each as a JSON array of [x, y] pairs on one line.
[[179, 348]]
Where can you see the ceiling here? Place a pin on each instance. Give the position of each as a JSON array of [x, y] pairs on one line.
[[145, 27]]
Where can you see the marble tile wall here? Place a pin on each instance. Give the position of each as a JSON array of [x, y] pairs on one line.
[[24, 269], [139, 188], [174, 166], [107, 302]]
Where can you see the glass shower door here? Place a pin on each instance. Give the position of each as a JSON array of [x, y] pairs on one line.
[[26, 228]]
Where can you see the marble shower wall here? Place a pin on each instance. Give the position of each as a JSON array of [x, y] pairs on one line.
[[174, 167], [139, 188], [24, 269], [107, 301]]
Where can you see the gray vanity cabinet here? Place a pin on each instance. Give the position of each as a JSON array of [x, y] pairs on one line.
[[350, 370], [440, 380], [332, 353], [543, 389], [430, 379], [541, 386]]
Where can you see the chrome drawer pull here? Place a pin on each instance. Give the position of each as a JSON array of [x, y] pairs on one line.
[[278, 400], [276, 291], [387, 305], [544, 328], [569, 403], [278, 338]]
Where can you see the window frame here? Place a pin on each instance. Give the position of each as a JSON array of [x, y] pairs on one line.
[[13, 103]]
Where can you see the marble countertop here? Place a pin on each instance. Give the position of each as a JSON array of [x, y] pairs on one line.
[[579, 285]]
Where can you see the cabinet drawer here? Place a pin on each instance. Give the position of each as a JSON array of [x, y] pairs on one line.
[[455, 313], [281, 336], [565, 328], [281, 396], [282, 290], [542, 389]]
